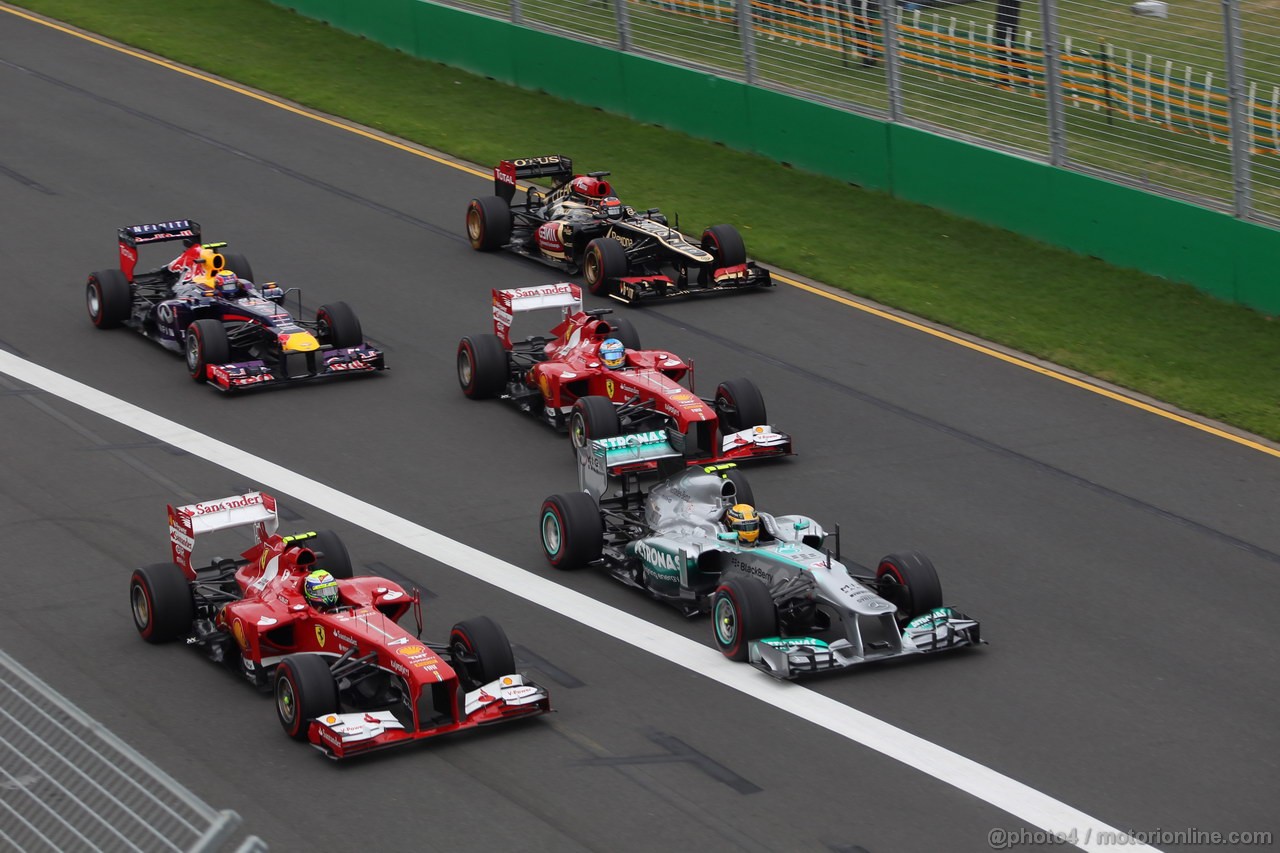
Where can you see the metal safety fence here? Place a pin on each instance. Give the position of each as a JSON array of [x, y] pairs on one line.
[[1179, 97], [68, 785]]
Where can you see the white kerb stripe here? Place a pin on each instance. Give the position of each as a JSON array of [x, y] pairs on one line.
[[1022, 801]]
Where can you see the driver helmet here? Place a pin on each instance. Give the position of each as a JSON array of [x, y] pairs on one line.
[[320, 589], [613, 353], [743, 520], [587, 188], [226, 283], [611, 208]]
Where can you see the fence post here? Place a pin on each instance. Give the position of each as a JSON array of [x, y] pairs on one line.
[[1239, 128], [516, 15], [747, 36], [1053, 82], [892, 71], [623, 15]]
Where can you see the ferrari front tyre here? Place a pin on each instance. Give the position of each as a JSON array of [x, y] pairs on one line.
[[603, 262], [206, 344], [332, 555], [480, 652], [162, 604], [304, 689], [488, 223], [624, 331], [483, 366], [909, 582], [238, 264], [739, 405], [572, 530], [742, 610], [592, 418], [108, 298], [338, 326]]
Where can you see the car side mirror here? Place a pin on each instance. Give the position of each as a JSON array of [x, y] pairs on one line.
[[726, 537], [802, 524]]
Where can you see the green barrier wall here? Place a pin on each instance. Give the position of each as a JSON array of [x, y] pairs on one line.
[[1227, 257]]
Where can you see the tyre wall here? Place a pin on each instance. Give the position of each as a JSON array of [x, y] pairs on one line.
[[1229, 258]]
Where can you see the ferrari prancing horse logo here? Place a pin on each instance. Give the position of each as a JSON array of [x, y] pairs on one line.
[[608, 387], [320, 635]]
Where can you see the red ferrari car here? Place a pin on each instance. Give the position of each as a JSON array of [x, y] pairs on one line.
[[564, 380], [346, 677]]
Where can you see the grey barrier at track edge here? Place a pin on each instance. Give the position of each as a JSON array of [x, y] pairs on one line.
[[75, 779]]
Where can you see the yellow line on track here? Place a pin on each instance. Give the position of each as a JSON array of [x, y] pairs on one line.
[[816, 291]]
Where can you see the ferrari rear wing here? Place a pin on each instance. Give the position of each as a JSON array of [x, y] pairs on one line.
[[622, 454], [188, 522], [506, 173], [508, 303]]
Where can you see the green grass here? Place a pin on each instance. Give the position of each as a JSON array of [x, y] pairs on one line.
[[1166, 340]]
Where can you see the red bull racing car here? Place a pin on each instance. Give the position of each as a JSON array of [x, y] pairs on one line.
[[580, 226], [234, 334], [346, 677], [564, 380]]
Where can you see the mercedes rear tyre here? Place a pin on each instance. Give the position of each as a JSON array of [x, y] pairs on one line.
[[572, 530]]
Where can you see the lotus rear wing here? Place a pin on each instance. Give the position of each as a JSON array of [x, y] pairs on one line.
[[506, 173], [636, 453], [188, 522], [507, 303]]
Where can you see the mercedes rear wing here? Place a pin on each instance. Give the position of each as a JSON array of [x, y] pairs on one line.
[[188, 522], [506, 173], [507, 303], [636, 453]]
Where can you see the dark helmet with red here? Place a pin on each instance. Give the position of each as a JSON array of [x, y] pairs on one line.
[[588, 188], [611, 208]]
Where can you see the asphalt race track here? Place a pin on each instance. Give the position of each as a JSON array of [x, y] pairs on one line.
[[1125, 565]]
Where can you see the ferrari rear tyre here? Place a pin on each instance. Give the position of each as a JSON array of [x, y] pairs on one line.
[[910, 582], [332, 555], [483, 366], [592, 418], [624, 331], [206, 343], [741, 486], [304, 689], [488, 223], [239, 265], [572, 530], [740, 405], [603, 262], [338, 326], [742, 610], [480, 652], [161, 601], [108, 298], [725, 243]]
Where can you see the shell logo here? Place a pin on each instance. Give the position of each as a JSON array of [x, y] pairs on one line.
[[410, 651], [331, 719], [545, 384], [237, 630], [681, 398], [507, 681]]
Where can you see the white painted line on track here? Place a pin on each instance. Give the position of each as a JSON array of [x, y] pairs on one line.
[[1019, 800]]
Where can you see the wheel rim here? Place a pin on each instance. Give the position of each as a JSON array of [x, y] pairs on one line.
[[591, 267], [286, 701], [726, 617], [95, 302], [324, 329], [466, 371], [578, 430], [141, 607], [552, 535], [193, 351], [475, 228]]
